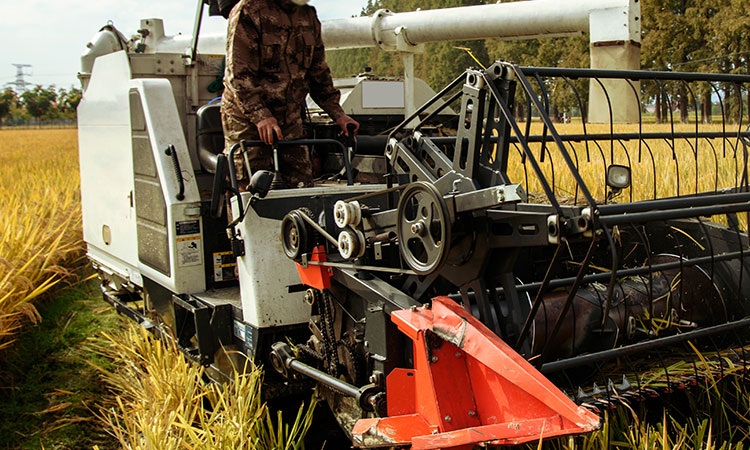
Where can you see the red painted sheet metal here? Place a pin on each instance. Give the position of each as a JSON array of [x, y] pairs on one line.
[[469, 387], [400, 391], [318, 277], [394, 431]]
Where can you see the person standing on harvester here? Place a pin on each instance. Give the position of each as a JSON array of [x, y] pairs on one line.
[[275, 57]]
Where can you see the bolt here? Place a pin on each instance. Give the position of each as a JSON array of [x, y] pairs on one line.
[[472, 413], [413, 309], [417, 228], [458, 354], [373, 379], [434, 359], [448, 418], [426, 306], [500, 194], [434, 431]]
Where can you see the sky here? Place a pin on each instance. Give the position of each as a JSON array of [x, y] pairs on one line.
[[51, 35]]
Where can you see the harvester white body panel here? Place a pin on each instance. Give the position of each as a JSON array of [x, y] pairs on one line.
[[110, 170], [106, 165], [156, 169], [367, 95], [266, 274]]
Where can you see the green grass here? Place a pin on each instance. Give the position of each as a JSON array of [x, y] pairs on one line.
[[50, 392]]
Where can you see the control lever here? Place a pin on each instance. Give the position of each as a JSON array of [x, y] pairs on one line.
[[349, 139], [350, 142], [278, 181]]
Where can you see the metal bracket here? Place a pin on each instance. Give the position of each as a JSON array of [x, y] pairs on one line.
[[375, 28], [210, 326], [238, 246]]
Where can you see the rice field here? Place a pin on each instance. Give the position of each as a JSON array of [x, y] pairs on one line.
[[40, 221], [159, 399]]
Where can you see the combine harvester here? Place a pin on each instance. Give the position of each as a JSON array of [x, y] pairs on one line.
[[431, 301]]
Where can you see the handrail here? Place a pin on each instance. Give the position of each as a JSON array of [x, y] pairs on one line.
[[289, 143]]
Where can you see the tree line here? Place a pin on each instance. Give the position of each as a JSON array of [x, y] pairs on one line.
[[677, 35], [38, 106]]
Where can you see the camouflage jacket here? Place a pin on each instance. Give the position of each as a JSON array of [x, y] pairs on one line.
[[275, 56]]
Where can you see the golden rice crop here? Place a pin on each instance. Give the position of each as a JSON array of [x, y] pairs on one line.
[[40, 220], [163, 403], [665, 167]]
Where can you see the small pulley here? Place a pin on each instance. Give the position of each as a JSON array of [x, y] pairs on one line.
[[296, 235], [423, 228], [352, 244], [347, 213]]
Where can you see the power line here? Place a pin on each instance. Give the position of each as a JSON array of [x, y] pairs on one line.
[[53, 74], [714, 58]]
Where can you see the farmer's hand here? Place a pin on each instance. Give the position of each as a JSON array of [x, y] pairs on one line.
[[345, 120], [266, 130]]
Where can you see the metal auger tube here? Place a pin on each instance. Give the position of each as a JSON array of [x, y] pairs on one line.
[[519, 20]]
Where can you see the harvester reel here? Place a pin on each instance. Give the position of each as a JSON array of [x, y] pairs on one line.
[[423, 228]]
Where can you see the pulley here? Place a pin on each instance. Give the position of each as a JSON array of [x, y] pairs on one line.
[[347, 213], [352, 244], [296, 235], [423, 228]]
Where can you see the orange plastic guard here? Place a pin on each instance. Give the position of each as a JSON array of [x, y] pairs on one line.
[[467, 388], [318, 277]]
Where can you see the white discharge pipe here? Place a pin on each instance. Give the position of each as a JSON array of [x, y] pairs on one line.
[[607, 20]]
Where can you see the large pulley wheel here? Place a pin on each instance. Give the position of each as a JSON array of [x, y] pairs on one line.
[[296, 238], [423, 227]]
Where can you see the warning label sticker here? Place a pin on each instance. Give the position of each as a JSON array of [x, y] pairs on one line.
[[188, 227], [224, 263], [189, 251]]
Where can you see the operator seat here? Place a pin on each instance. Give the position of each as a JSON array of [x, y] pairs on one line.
[[210, 135]]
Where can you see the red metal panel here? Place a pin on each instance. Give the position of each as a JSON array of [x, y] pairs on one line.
[[390, 431], [452, 382], [513, 433], [469, 387], [400, 389], [318, 277]]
